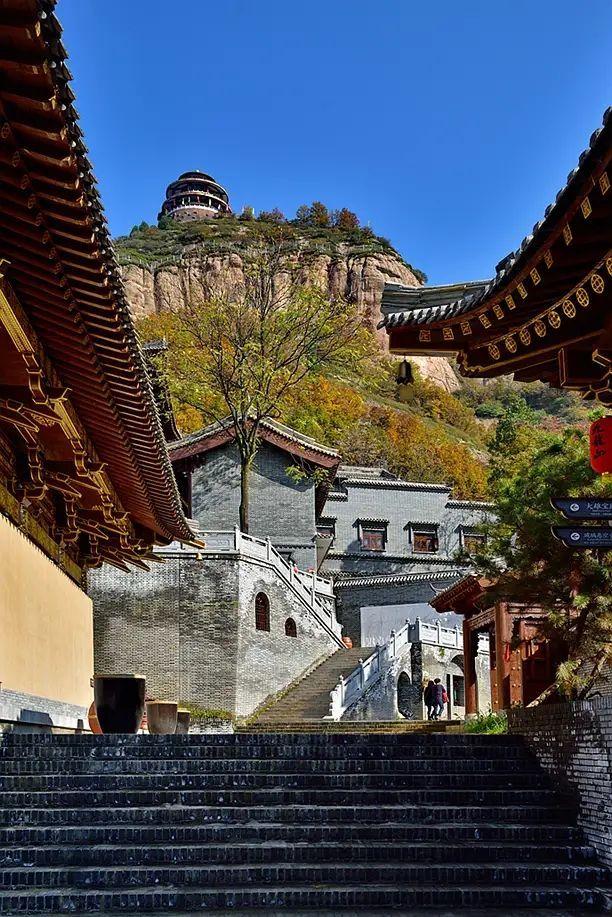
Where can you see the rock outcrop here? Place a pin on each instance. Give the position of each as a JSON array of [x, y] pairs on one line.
[[358, 277]]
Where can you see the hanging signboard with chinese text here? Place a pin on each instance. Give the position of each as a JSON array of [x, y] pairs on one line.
[[584, 536], [583, 507]]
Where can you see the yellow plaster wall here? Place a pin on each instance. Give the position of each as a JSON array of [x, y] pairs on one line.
[[46, 624]]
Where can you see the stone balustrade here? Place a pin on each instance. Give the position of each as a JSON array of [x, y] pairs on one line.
[[315, 591], [352, 687]]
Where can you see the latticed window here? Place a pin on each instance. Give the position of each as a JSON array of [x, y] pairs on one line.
[[373, 537], [425, 542], [290, 628], [262, 611], [472, 542]]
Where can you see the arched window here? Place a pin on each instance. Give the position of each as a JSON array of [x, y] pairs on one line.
[[290, 628], [262, 611]]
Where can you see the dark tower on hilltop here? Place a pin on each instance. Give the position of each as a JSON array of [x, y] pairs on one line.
[[195, 196]]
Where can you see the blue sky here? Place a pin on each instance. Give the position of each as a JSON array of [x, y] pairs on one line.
[[447, 126]]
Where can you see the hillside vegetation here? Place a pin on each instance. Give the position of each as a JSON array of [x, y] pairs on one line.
[[430, 435], [148, 245]]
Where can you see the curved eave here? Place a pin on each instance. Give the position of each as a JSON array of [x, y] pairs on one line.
[[61, 264], [547, 311]]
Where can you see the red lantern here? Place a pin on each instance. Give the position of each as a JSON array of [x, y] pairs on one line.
[[601, 445]]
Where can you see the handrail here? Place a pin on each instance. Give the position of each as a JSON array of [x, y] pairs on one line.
[[366, 673], [307, 586]]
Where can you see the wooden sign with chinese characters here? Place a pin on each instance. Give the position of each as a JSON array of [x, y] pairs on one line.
[[601, 445], [584, 536], [583, 507]]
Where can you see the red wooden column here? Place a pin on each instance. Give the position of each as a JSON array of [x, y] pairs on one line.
[[502, 672], [469, 664]]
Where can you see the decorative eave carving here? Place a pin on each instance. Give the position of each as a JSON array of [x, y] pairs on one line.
[[38, 411]]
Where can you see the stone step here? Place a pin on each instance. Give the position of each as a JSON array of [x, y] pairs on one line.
[[346, 833], [387, 746], [333, 896], [278, 874], [243, 853], [483, 768], [159, 814], [83, 799], [28, 743], [51, 783]]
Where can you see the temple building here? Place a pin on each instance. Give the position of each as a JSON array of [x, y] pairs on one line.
[[85, 477], [392, 545], [228, 623], [523, 659], [195, 196], [289, 484], [546, 315]]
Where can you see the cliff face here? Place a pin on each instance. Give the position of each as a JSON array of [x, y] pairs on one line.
[[358, 277]]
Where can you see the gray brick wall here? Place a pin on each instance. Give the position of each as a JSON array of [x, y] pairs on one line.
[[400, 503], [574, 743], [188, 626], [278, 507], [351, 599], [30, 713], [177, 625]]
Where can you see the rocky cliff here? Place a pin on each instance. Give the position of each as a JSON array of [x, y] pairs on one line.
[[165, 283]]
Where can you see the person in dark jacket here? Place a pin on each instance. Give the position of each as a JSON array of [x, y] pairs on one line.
[[428, 697], [438, 698]]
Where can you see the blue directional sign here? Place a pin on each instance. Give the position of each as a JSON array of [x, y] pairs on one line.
[[583, 507], [584, 536]]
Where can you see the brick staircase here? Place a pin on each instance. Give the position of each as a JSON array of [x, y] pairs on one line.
[[308, 700], [182, 824]]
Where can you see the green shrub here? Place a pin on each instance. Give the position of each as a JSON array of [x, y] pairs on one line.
[[210, 715], [488, 724]]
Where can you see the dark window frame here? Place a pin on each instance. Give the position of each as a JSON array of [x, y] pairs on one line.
[[290, 628], [326, 524], [371, 532], [425, 532], [262, 612], [479, 537]]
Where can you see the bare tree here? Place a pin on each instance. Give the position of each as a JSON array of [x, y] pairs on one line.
[[236, 354]]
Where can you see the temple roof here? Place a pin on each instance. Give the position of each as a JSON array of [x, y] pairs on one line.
[[221, 432], [60, 264], [276, 434], [546, 313], [418, 305]]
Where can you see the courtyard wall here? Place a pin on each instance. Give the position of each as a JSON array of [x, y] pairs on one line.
[[573, 742], [45, 627], [188, 626]]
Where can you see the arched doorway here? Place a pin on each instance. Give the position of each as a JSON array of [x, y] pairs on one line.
[[290, 628], [404, 696]]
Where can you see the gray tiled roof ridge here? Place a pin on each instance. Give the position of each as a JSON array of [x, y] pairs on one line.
[[510, 264], [381, 482], [371, 471], [384, 579], [273, 425], [488, 504], [424, 557]]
